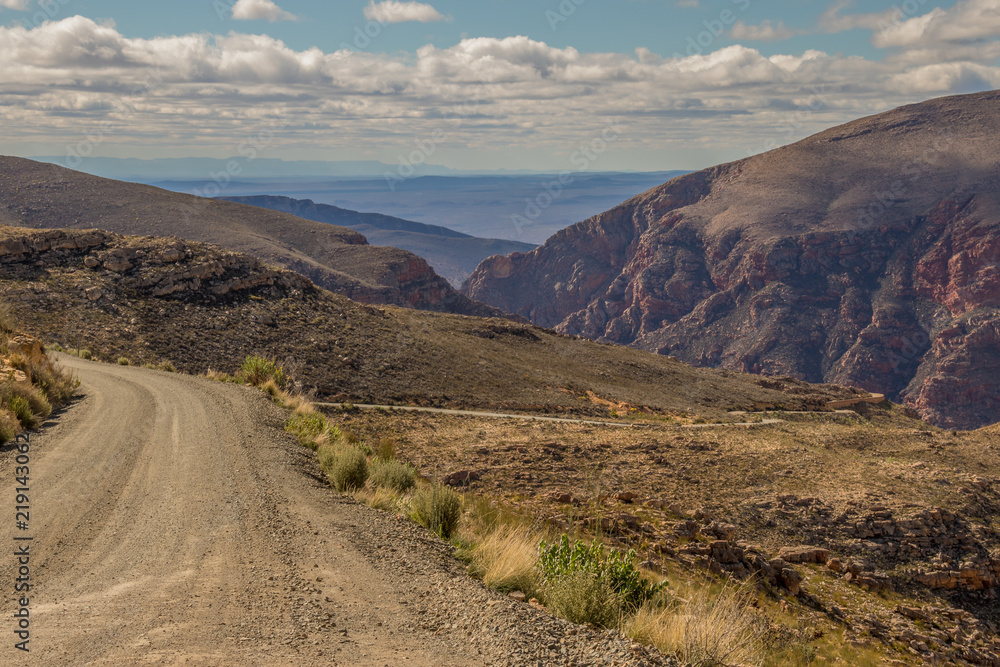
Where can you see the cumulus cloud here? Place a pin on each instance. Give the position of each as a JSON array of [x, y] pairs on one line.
[[969, 21], [74, 76], [260, 10], [391, 11], [14, 4], [765, 32]]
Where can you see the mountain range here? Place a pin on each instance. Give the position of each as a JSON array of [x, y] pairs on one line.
[[45, 196], [866, 255], [453, 255]]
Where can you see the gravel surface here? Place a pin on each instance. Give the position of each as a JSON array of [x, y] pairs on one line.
[[175, 522]]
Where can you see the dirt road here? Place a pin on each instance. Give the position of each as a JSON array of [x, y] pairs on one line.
[[174, 522], [543, 418]]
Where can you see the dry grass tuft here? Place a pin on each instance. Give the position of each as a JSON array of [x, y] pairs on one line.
[[505, 558], [705, 630]]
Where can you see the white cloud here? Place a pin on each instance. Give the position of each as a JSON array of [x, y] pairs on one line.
[[969, 21], [14, 4], [391, 11], [833, 20], [260, 10], [765, 32], [206, 92]]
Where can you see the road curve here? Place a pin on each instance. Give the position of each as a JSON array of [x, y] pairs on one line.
[[174, 522]]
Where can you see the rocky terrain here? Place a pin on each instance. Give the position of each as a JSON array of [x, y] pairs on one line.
[[866, 255], [199, 307], [871, 531], [38, 195], [453, 255]]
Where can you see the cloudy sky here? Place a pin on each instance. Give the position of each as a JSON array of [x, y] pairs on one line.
[[490, 84]]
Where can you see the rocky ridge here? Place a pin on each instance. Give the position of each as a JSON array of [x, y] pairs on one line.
[[45, 196], [200, 306], [866, 255]]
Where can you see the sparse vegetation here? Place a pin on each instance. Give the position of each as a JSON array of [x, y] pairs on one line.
[[347, 468], [438, 508], [257, 370], [124, 361], [706, 629], [610, 584], [391, 474], [505, 558], [33, 383]]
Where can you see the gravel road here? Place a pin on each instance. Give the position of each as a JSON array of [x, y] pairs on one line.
[[174, 522]]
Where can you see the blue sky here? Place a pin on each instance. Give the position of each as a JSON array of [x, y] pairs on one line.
[[487, 85]]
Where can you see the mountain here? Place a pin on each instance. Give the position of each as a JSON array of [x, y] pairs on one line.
[[34, 194], [865, 255], [202, 307], [452, 254], [527, 208]]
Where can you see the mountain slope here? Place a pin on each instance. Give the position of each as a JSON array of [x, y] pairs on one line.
[[33, 194], [866, 255], [451, 254], [201, 307]]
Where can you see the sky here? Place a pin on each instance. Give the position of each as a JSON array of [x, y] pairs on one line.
[[630, 85]]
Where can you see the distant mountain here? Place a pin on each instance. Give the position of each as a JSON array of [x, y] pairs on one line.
[[452, 254], [526, 208], [44, 196], [868, 254]]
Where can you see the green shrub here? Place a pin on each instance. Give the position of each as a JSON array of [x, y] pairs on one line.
[[439, 508], [9, 426], [85, 354], [57, 347], [22, 410], [55, 384], [583, 597], [348, 469], [614, 571], [386, 449], [257, 370], [313, 430], [327, 455], [124, 361], [394, 475], [26, 402], [166, 366]]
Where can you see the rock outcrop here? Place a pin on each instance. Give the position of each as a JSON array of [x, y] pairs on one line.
[[44, 196], [866, 255]]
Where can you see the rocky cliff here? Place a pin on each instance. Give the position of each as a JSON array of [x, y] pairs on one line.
[[44, 196], [865, 255]]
